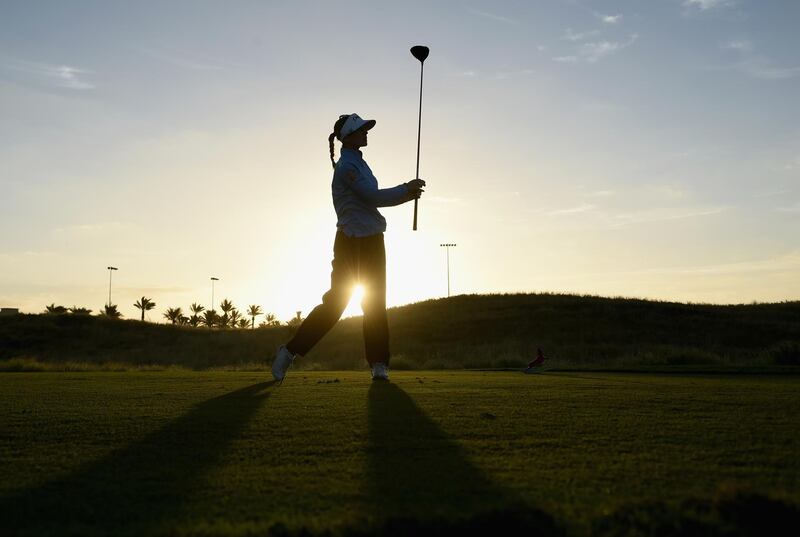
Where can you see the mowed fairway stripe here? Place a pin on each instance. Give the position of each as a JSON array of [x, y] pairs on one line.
[[226, 452]]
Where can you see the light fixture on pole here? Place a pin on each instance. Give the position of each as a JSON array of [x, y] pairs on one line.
[[213, 279], [447, 248], [110, 271]]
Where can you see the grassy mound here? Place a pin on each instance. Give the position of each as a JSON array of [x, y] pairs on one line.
[[467, 331]]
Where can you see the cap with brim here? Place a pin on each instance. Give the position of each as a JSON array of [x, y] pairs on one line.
[[353, 123]]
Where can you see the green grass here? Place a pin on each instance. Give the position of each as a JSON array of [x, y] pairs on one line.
[[181, 452]]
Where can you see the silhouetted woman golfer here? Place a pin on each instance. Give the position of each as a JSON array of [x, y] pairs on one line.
[[358, 251]]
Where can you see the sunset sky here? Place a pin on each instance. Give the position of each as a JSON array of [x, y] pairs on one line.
[[622, 148]]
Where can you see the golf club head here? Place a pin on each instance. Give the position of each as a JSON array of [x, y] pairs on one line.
[[420, 52]]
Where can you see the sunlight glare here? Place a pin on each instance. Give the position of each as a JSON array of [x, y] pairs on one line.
[[354, 306]]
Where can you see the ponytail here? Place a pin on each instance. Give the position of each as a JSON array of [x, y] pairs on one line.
[[330, 142], [337, 130]]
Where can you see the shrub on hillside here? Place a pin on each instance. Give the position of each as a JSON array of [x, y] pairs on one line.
[[784, 353]]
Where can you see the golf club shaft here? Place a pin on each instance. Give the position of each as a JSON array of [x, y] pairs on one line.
[[419, 133]]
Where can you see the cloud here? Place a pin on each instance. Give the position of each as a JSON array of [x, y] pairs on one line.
[[91, 230], [502, 75], [704, 5], [593, 52], [788, 261], [179, 59], [584, 207], [757, 65], [565, 59], [743, 46], [601, 193], [664, 214], [780, 263], [62, 76], [443, 200], [492, 16], [610, 19], [569, 35], [790, 208]]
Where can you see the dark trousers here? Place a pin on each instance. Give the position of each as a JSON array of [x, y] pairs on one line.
[[355, 260]]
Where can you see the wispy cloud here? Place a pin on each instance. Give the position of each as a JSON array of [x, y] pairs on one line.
[[584, 207], [664, 214], [62, 76], [792, 164], [742, 46], [593, 52], [443, 200], [704, 5], [757, 65], [601, 193], [492, 16], [569, 35], [565, 59], [610, 19], [781, 263], [502, 75], [772, 193], [179, 59], [789, 208], [91, 230]]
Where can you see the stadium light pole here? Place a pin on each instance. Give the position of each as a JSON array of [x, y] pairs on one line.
[[213, 279], [447, 248], [110, 272]]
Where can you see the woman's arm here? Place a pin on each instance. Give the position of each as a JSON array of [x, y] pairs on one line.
[[369, 192]]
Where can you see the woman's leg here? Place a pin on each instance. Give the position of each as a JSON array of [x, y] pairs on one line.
[[323, 317], [373, 278]]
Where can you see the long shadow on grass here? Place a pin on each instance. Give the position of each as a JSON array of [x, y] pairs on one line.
[[137, 489], [420, 481]]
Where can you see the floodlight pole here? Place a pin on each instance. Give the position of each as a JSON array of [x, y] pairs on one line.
[[213, 279], [110, 272], [447, 249]]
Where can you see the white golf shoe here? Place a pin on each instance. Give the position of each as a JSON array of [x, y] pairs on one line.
[[282, 362], [380, 371]]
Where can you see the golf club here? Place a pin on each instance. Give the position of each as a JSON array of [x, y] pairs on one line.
[[419, 52]]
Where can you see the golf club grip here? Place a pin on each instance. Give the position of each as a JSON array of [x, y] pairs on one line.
[[415, 215]]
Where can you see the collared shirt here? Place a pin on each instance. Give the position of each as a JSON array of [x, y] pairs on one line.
[[356, 196]]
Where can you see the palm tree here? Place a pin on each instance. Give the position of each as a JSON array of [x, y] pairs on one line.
[[235, 317], [226, 306], [145, 304], [209, 318], [52, 309], [244, 323], [196, 310], [295, 322], [75, 310], [110, 310], [253, 311], [272, 320], [173, 314], [183, 320]]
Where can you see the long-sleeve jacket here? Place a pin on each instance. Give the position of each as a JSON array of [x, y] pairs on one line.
[[356, 196]]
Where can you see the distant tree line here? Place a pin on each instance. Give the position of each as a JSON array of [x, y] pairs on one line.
[[230, 317]]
